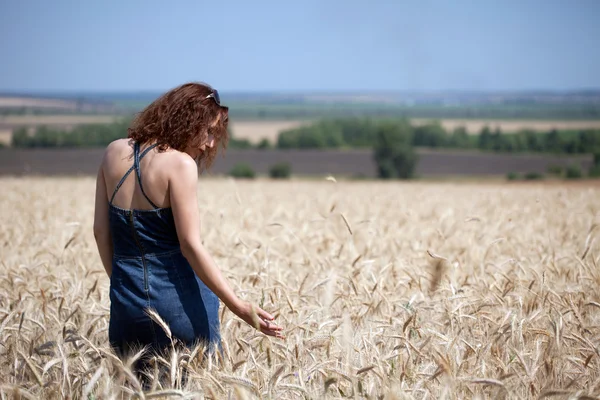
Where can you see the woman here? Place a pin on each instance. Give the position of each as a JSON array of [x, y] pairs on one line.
[[146, 225]]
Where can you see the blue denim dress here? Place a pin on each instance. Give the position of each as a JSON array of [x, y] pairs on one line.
[[149, 271]]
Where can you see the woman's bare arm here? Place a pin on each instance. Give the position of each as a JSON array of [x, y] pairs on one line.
[[184, 203], [101, 223]]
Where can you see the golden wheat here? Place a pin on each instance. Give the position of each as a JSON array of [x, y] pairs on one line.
[[385, 290]]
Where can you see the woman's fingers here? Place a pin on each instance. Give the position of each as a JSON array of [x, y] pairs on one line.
[[267, 326], [273, 332], [264, 315], [263, 321]]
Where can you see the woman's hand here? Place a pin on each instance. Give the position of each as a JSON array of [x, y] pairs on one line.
[[184, 203], [259, 319]]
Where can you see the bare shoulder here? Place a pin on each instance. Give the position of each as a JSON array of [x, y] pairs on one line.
[[181, 164], [117, 149]]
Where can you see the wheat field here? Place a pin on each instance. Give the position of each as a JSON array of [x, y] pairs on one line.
[[385, 291]]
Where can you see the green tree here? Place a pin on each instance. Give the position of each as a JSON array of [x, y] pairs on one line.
[[287, 139], [594, 171], [393, 151], [358, 132], [485, 138], [553, 142], [555, 170], [242, 170], [512, 176], [573, 172], [570, 143], [430, 135], [459, 138], [533, 176], [589, 141], [264, 144], [20, 138], [519, 142], [280, 170], [534, 140], [495, 140], [239, 144], [311, 139]]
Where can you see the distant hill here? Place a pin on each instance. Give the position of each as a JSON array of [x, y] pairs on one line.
[[544, 104], [30, 102], [422, 98]]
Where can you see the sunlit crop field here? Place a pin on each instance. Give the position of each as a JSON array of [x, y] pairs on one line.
[[385, 290]]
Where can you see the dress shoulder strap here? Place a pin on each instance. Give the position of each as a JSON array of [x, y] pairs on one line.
[[136, 165]]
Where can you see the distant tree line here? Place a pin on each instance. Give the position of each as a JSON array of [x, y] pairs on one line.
[[92, 135], [392, 141], [362, 132], [344, 133], [28, 111]]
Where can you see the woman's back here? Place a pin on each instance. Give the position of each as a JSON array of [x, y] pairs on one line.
[[139, 226], [155, 168], [149, 271]]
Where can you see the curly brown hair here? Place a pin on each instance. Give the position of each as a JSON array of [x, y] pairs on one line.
[[183, 118]]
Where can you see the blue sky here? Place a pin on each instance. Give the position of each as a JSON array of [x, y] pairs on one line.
[[306, 45]]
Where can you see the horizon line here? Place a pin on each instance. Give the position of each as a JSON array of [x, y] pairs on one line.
[[38, 92]]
